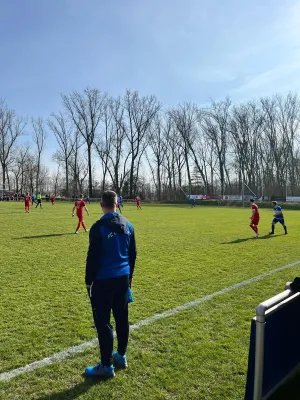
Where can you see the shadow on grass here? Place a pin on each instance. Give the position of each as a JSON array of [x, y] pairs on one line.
[[44, 236], [74, 392], [251, 238], [237, 241], [269, 236]]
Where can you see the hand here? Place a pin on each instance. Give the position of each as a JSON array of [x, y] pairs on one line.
[[72, 215]]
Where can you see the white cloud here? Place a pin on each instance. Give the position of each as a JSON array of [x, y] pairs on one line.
[[268, 77], [214, 75], [290, 26]]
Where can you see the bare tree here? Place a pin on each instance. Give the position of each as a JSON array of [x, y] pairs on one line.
[[30, 168], [288, 114], [75, 163], [19, 167], [63, 131], [175, 158], [245, 128], [11, 128], [185, 119], [86, 111], [56, 178], [215, 123], [273, 148], [44, 178], [158, 146], [110, 147], [169, 158], [103, 141], [39, 138], [140, 113], [118, 156], [23, 162], [82, 172], [16, 172]]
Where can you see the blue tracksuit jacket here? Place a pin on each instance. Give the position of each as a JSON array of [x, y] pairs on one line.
[[112, 250]]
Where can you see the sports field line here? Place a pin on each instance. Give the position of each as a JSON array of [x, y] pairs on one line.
[[62, 355]]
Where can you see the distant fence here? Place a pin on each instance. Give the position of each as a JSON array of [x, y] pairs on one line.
[[91, 200], [290, 202], [292, 199], [287, 199]]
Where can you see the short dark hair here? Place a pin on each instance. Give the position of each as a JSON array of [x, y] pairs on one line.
[[274, 202], [252, 200], [109, 198]]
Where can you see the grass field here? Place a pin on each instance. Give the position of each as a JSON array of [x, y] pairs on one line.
[[183, 254]]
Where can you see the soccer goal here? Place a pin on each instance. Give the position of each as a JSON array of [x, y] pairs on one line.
[[247, 192], [186, 195]]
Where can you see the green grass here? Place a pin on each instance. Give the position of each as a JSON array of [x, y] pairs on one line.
[[183, 254]]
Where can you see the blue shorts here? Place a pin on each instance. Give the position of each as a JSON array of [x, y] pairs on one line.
[[275, 220]]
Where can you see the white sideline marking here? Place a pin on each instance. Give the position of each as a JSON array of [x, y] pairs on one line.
[[62, 355]]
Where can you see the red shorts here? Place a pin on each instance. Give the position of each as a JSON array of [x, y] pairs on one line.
[[255, 221], [27, 204], [138, 203], [80, 217]]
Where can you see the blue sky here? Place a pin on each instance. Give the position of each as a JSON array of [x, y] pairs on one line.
[[179, 50]]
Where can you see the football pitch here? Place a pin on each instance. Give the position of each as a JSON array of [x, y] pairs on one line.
[[184, 254]]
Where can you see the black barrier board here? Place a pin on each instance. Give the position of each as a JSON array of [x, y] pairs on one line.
[[282, 347]]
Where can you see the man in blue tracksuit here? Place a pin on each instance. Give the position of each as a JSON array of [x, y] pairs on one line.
[[109, 270]]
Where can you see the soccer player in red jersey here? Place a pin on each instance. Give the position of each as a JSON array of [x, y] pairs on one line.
[[254, 218], [53, 199], [27, 200], [138, 203], [80, 205]]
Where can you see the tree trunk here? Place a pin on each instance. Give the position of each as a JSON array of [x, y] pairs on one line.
[[188, 171], [3, 175], [90, 172], [8, 180], [38, 174], [67, 177], [131, 180], [158, 183]]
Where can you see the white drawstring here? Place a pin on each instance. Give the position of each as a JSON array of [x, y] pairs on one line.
[[91, 289]]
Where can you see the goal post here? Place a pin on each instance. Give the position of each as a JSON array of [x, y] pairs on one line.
[[182, 191], [247, 197]]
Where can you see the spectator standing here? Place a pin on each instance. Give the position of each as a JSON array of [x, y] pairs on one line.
[[109, 270]]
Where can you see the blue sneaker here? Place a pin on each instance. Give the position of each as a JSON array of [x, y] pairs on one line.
[[119, 361], [100, 371]]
